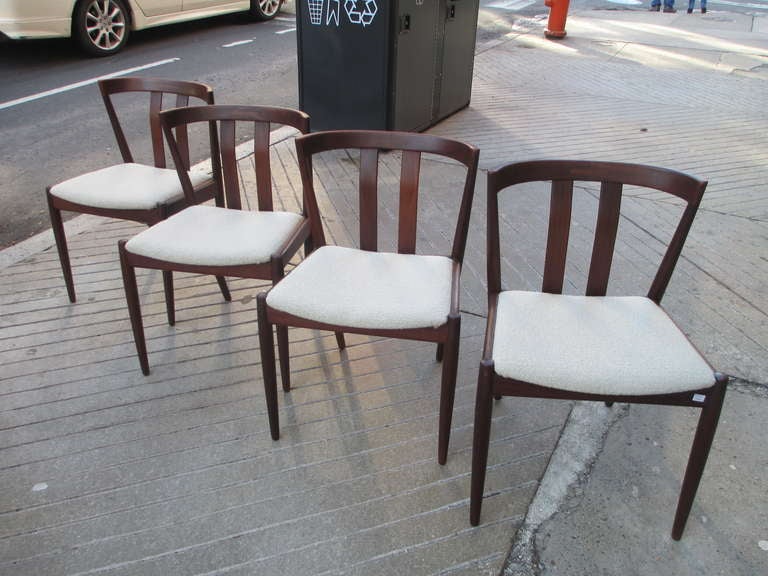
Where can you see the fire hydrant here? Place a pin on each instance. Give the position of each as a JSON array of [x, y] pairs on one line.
[[558, 12]]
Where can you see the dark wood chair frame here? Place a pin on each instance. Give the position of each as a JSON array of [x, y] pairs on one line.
[[157, 89], [370, 144], [612, 177], [222, 122]]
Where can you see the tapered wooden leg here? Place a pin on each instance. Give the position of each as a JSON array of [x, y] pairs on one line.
[[285, 357], [702, 441], [224, 288], [340, 342], [480, 440], [134, 308], [61, 246], [439, 352], [267, 346], [170, 299], [448, 386]]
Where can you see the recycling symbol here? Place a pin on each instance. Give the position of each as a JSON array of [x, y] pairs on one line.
[[362, 16]]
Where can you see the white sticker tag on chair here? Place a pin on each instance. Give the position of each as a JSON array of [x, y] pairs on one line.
[[699, 397]]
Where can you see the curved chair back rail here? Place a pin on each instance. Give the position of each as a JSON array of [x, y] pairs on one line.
[[613, 176], [158, 88], [223, 144], [413, 146]]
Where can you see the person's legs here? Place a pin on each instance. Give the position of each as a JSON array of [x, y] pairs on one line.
[[669, 6], [655, 5], [703, 6], [691, 4]]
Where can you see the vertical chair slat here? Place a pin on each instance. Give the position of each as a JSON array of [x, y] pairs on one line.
[[409, 197], [560, 206], [263, 172], [155, 130], [493, 242], [229, 164], [182, 137], [605, 238], [369, 174]]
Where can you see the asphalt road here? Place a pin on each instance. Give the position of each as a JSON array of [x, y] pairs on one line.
[[57, 136]]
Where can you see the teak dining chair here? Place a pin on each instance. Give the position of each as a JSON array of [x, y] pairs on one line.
[[592, 347], [132, 191], [364, 291], [221, 241]]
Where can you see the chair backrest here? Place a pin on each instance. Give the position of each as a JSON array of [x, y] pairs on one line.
[[157, 89], [412, 146], [222, 123], [612, 176]]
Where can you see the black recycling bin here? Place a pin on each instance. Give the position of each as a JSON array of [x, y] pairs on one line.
[[384, 64]]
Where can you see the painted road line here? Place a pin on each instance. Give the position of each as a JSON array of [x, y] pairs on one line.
[[238, 43], [286, 31], [76, 85]]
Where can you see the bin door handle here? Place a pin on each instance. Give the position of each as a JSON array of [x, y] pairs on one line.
[[405, 23]]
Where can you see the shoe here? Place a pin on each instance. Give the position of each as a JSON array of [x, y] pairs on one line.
[[703, 10], [669, 10], [654, 8], [690, 10]]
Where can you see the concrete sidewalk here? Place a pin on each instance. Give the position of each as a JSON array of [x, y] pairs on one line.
[[105, 471], [687, 91]]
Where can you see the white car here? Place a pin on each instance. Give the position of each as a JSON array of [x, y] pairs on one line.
[[101, 27]]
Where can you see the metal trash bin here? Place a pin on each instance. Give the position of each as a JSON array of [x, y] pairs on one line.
[[384, 64]]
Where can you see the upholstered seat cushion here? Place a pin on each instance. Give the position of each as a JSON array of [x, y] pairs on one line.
[[361, 289], [601, 345], [212, 236], [126, 187]]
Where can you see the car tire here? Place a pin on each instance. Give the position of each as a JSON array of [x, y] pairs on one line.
[[100, 27], [265, 9]]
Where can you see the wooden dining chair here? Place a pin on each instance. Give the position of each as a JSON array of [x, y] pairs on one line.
[[365, 291], [144, 193], [592, 347], [221, 241]]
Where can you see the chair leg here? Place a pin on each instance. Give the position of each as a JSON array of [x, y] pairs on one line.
[[267, 346], [448, 387], [702, 441], [224, 288], [61, 246], [285, 358], [134, 307], [480, 440], [340, 342], [439, 352], [170, 299]]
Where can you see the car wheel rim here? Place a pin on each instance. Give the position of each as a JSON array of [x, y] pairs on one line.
[[105, 24], [269, 7]]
